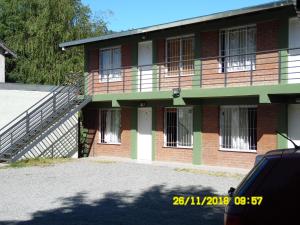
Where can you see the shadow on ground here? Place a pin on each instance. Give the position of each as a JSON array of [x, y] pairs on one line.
[[153, 206]]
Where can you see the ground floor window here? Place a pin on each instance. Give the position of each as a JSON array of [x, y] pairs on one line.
[[238, 127], [178, 127], [110, 124]]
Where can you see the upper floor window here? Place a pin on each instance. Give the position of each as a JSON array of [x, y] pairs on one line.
[[237, 46], [110, 64], [180, 55]]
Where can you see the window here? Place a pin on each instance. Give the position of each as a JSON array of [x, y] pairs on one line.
[[237, 44], [180, 56], [110, 64], [238, 125], [110, 124], [179, 127]]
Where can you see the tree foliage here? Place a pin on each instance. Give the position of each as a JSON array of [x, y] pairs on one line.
[[34, 29]]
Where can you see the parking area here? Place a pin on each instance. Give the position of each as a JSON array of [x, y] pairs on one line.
[[85, 192]]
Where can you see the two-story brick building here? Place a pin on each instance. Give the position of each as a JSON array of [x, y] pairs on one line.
[[208, 90]]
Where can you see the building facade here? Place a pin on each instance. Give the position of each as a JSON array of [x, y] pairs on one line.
[[212, 90]]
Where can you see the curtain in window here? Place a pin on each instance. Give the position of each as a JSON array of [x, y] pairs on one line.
[[110, 63], [244, 129], [116, 63], [187, 54], [185, 127], [238, 44], [235, 130], [105, 59], [235, 139], [112, 121]]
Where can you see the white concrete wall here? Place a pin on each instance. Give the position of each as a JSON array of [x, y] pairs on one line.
[[62, 142], [2, 68], [14, 102]]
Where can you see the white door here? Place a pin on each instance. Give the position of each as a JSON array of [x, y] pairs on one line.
[[294, 54], [144, 152], [145, 66], [294, 124]]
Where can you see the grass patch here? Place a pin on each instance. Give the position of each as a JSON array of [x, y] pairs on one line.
[[104, 161], [210, 173], [37, 162]]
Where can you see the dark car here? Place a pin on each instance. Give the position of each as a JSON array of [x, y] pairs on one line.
[[276, 178]]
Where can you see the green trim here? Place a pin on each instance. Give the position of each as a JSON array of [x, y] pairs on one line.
[[197, 135], [154, 118], [282, 126], [197, 74], [178, 101], [133, 137], [115, 104], [283, 55], [263, 92], [134, 71]]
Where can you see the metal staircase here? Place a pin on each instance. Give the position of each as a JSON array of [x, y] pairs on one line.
[[32, 126]]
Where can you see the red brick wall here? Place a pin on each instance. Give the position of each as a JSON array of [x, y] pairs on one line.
[[119, 150], [166, 153], [266, 133], [110, 87]]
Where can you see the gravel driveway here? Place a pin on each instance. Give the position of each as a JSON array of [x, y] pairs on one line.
[[100, 192]]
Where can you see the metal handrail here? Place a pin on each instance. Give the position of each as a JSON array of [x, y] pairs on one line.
[[30, 120], [30, 108], [226, 68]]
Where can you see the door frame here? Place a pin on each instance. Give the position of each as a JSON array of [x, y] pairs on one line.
[[148, 135], [148, 68]]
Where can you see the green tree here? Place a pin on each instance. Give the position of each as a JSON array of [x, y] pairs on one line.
[[34, 29]]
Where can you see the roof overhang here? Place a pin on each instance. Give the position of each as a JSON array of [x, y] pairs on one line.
[[7, 51], [179, 23]]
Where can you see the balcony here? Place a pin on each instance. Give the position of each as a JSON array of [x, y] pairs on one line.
[[265, 68]]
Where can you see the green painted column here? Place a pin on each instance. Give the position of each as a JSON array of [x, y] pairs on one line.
[[197, 135], [134, 71], [154, 117], [133, 133], [283, 54], [282, 126], [197, 62]]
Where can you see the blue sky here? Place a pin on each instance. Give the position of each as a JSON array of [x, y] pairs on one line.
[[124, 15]]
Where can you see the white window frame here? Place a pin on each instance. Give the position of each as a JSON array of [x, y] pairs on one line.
[[246, 67], [220, 128], [180, 60], [165, 128], [103, 78], [120, 127]]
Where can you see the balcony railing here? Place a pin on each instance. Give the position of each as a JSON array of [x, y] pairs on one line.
[[259, 68]]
